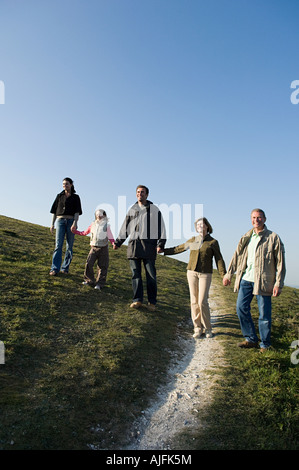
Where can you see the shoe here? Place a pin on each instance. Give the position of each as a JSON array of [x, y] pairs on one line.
[[247, 344], [151, 307], [52, 273], [64, 272], [97, 287], [85, 283], [209, 334], [197, 333], [136, 304], [263, 350]]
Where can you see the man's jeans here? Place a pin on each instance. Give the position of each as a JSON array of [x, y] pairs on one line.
[[63, 229], [151, 280], [245, 296]]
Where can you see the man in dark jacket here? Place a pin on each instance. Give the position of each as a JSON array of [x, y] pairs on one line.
[[145, 226]]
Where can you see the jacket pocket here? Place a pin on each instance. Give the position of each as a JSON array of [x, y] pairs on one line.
[[267, 282]]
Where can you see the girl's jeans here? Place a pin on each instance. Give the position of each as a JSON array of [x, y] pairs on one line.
[[245, 297], [63, 229]]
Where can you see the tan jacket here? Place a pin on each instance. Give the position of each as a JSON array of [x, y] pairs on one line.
[[201, 254], [269, 268]]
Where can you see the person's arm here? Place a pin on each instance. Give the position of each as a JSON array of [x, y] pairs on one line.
[[53, 223], [279, 254], [219, 259], [162, 233], [53, 211], [110, 235], [233, 265], [231, 270], [123, 233], [85, 232], [175, 250], [75, 223]]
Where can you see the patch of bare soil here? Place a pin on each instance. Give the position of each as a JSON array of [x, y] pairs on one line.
[[189, 390]]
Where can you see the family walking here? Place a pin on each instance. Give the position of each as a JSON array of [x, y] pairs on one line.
[[258, 262]]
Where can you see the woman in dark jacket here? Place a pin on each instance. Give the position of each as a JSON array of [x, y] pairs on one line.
[[203, 248], [66, 209]]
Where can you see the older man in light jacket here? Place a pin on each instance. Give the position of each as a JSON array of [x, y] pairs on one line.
[[259, 264]]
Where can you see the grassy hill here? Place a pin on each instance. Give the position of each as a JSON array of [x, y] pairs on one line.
[[80, 365], [77, 359]]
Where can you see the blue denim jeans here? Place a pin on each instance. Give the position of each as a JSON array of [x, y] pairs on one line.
[[245, 296], [63, 230], [151, 280]]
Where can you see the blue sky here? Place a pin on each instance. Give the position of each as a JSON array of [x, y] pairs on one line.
[[189, 97]]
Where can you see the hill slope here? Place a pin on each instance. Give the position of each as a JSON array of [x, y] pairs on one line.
[[81, 366], [77, 358]]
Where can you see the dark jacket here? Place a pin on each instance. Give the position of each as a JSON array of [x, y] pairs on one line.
[[201, 254], [66, 205], [146, 229]]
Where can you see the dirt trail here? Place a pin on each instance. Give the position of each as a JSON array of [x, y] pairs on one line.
[[188, 392]]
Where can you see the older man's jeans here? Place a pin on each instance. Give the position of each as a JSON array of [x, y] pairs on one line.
[[151, 280], [63, 230], [245, 297]]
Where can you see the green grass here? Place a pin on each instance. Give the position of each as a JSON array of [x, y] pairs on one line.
[[77, 359], [255, 406], [80, 365]]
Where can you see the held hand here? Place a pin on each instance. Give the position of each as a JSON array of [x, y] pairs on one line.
[[159, 249], [74, 227], [226, 282], [114, 246], [276, 291]]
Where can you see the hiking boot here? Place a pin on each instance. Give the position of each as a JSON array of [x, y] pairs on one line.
[[151, 307], [136, 304], [248, 344]]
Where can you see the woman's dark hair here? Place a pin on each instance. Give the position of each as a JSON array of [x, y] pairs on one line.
[[72, 183], [206, 222]]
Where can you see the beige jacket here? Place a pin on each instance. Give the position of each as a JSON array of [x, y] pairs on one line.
[[269, 268]]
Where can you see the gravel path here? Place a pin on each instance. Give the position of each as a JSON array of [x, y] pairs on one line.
[[189, 390]]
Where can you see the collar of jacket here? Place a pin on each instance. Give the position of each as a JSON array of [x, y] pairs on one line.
[[147, 203], [261, 233], [207, 237], [63, 193]]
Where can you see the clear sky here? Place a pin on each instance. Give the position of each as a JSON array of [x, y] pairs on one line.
[[190, 97]]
